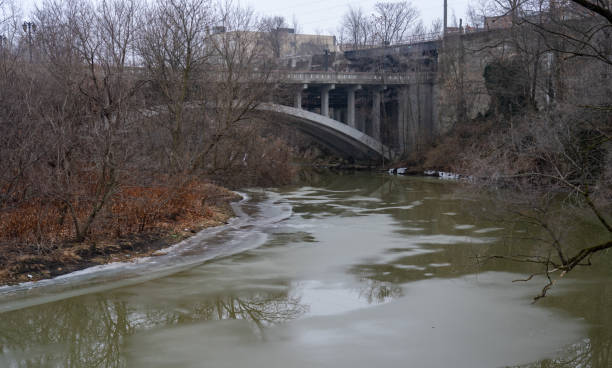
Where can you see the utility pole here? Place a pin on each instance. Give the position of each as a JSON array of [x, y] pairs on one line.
[[29, 28], [3, 44], [445, 17]]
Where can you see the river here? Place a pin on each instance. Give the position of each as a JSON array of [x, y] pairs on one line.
[[352, 270]]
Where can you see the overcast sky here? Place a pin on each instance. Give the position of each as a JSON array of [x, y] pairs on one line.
[[323, 16]]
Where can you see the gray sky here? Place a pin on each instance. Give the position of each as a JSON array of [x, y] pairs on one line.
[[323, 16]]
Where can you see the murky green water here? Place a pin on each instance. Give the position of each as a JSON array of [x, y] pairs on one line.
[[353, 271]]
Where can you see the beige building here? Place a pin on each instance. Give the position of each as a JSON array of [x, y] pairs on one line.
[[285, 44], [306, 44]]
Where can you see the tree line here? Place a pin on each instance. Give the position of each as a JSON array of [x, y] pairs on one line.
[[116, 111], [389, 23]]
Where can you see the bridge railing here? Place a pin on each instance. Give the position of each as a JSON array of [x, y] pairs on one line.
[[355, 77], [410, 40]]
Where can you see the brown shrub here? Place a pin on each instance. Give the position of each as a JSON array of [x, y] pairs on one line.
[[131, 209], [448, 153]]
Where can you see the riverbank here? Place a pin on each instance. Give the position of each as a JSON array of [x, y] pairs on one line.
[[200, 206]]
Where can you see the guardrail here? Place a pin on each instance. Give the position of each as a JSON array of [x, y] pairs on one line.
[[356, 77], [328, 77], [410, 40]]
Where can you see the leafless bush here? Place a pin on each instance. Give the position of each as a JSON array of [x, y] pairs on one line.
[[390, 23], [558, 165], [124, 107]]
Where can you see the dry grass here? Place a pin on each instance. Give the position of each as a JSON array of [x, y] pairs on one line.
[[36, 237], [448, 152]]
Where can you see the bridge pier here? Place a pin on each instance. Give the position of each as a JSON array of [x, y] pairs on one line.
[[325, 99], [416, 118], [298, 96], [402, 118], [350, 105], [336, 114], [376, 101]]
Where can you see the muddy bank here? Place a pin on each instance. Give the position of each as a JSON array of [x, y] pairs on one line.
[[20, 263]]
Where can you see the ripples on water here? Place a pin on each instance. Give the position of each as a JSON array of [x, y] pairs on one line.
[[353, 271]]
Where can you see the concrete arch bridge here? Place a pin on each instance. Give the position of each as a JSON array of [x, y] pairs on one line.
[[358, 114], [334, 134], [363, 115]]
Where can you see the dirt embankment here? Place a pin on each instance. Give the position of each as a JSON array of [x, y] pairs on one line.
[[152, 220], [451, 152]]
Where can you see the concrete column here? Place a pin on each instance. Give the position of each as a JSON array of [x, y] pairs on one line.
[[325, 99], [376, 101], [298, 96], [435, 112], [270, 97], [402, 118], [415, 116], [429, 117], [298, 100], [337, 114], [350, 105]]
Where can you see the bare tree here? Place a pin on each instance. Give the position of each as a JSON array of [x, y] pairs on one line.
[[275, 33], [356, 27], [90, 67], [242, 80], [419, 28], [436, 27], [391, 22], [16, 143], [576, 29], [570, 27], [478, 10], [173, 45]]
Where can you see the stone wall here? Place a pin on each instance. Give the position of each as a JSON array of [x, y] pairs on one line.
[[463, 59]]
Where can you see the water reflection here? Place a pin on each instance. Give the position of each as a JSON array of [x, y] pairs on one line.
[[591, 302], [70, 334], [374, 291], [592, 352], [582, 354], [92, 332], [262, 310]]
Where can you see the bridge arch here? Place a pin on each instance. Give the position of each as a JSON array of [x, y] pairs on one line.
[[334, 134]]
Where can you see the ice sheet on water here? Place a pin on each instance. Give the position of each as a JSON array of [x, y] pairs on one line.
[[241, 233]]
